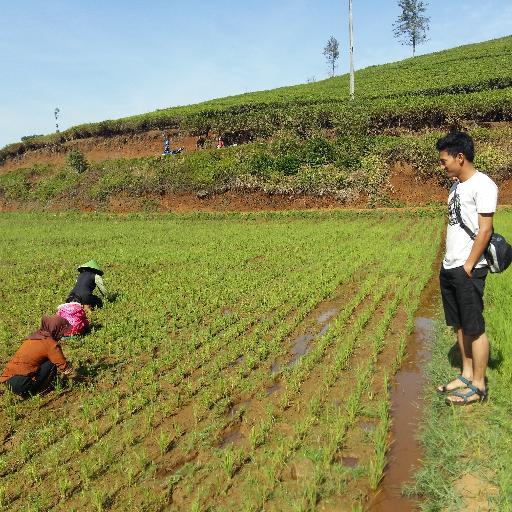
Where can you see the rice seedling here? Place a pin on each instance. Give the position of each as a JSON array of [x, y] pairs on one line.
[[196, 330]]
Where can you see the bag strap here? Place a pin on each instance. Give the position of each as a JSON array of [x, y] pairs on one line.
[[470, 233]]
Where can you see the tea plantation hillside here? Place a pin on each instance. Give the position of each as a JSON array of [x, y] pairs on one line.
[[469, 82]]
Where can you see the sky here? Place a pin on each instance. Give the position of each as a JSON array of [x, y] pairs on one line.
[[107, 59]]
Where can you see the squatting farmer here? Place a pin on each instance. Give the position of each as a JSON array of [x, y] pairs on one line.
[[88, 278], [471, 204], [33, 368]]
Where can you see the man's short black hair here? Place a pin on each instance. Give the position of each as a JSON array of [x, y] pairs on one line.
[[455, 143]]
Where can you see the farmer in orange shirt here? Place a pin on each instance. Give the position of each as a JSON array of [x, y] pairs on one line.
[[33, 368]]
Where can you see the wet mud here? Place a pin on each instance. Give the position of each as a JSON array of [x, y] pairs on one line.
[[232, 438], [237, 361], [276, 387], [275, 367], [350, 462], [302, 344], [238, 408], [406, 410], [300, 347], [327, 315]]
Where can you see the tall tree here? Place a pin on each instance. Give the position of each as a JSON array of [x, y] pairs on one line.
[[56, 113], [332, 53], [411, 26]]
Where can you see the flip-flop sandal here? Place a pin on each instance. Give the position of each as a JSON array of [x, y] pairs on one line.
[[444, 389], [473, 390]]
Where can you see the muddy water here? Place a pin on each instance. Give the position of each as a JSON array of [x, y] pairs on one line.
[[327, 315], [276, 387], [275, 367], [350, 462], [302, 344], [237, 361], [300, 347], [233, 437], [406, 411], [234, 409]]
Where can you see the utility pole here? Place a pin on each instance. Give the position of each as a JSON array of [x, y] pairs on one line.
[[351, 49]]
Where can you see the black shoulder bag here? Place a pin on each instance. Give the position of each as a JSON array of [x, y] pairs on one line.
[[498, 253]]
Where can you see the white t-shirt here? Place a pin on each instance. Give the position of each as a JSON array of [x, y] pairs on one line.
[[478, 194]]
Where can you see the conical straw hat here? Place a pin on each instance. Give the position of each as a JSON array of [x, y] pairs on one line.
[[92, 264]]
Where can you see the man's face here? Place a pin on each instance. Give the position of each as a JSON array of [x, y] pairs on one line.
[[452, 165]]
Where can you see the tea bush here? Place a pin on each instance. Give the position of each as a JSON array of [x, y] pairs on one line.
[[318, 151], [420, 153], [55, 185], [495, 161], [77, 161], [16, 185], [286, 165]]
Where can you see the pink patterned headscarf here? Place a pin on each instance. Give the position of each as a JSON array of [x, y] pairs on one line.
[[74, 313]]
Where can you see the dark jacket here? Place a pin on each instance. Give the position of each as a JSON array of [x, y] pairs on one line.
[[84, 286]]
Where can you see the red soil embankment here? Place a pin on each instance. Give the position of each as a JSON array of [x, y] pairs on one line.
[[405, 188], [97, 149]]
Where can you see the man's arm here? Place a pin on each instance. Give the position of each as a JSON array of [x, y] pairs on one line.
[[481, 241], [99, 283]]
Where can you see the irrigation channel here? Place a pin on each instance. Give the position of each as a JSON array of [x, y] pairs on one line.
[[407, 407]]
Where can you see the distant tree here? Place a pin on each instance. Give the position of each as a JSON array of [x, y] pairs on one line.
[[56, 113], [332, 53], [411, 26], [77, 161]]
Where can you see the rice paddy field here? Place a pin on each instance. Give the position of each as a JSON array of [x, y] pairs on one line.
[[243, 365]]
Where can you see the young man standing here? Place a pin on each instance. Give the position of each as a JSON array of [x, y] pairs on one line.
[[471, 204]]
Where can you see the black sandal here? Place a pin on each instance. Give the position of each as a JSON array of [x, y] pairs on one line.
[[444, 390], [473, 390]]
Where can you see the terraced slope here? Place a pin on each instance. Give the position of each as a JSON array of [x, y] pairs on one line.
[[469, 82]]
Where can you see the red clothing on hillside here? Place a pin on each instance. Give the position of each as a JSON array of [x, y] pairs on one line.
[[29, 357]]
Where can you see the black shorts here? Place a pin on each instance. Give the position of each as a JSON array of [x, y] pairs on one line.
[[463, 299]]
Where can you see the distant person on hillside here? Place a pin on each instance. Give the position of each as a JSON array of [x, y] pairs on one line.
[[201, 141], [33, 368], [88, 278], [471, 204], [220, 143], [167, 146]]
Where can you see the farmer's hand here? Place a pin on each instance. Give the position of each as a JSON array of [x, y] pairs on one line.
[[468, 270], [111, 297], [71, 373]]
